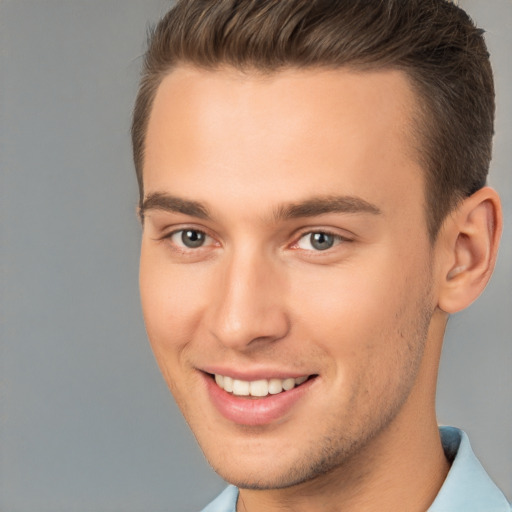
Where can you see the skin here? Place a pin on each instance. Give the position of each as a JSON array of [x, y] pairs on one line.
[[366, 317]]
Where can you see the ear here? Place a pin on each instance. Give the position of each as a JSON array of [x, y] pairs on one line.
[[469, 246]]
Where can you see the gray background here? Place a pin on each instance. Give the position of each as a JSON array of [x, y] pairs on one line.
[[86, 421]]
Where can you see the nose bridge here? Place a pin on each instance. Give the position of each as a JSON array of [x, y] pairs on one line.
[[249, 302]]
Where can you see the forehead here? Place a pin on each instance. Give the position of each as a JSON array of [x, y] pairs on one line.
[[300, 130]]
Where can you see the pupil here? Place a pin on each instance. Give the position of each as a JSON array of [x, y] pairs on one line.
[[192, 238], [322, 241]]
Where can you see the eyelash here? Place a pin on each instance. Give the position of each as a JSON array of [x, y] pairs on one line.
[[338, 239], [184, 249]]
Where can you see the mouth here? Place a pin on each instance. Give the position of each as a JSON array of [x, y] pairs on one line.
[[258, 402], [258, 388]]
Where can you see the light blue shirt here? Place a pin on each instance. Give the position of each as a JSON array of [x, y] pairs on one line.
[[467, 488]]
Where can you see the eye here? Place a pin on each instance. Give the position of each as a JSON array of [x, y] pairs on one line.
[[189, 238], [318, 241]]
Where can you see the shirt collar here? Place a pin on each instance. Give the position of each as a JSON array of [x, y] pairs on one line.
[[467, 487]]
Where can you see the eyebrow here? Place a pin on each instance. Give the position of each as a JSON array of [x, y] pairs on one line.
[[311, 207], [169, 203], [323, 205]]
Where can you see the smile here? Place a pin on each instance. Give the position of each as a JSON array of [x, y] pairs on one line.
[[258, 388], [259, 401]]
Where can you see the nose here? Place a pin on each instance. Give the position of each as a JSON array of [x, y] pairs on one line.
[[247, 307]]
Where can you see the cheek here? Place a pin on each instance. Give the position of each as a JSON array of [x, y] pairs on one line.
[[366, 319], [168, 304], [352, 303], [171, 312]]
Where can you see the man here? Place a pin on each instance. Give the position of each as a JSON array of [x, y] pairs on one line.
[[312, 192]]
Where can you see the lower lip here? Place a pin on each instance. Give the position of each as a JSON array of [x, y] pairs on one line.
[[255, 411]]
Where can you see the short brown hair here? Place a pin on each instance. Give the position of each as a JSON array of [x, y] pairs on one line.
[[433, 41]]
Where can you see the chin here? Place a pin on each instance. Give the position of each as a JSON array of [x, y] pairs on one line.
[[260, 471], [278, 469], [262, 480]]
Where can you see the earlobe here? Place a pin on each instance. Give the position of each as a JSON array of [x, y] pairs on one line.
[[470, 245]]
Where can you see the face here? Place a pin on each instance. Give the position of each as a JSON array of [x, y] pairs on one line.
[[285, 267]]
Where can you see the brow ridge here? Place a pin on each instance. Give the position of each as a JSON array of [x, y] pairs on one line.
[[325, 204], [310, 207], [170, 203]]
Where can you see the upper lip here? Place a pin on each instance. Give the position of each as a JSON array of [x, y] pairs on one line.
[[252, 374]]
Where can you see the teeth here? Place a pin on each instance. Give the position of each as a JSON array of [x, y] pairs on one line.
[[228, 384], [241, 387], [275, 386], [259, 388], [288, 384]]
